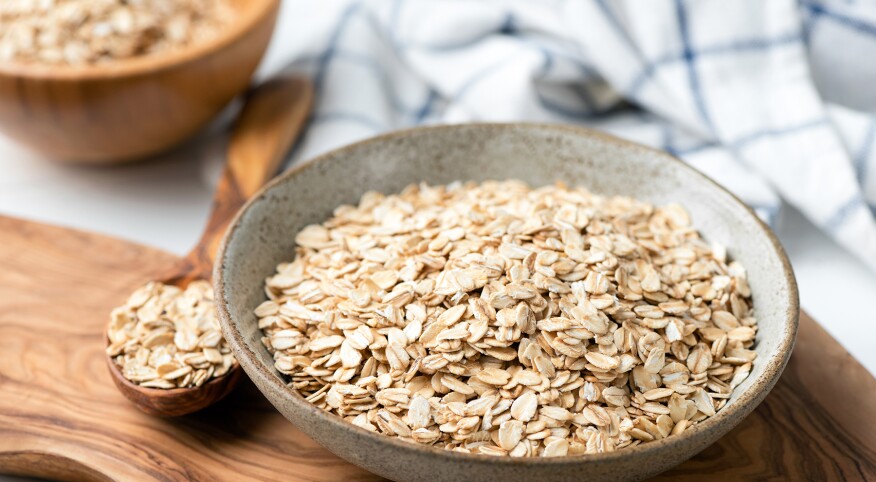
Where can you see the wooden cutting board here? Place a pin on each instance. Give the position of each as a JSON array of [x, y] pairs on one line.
[[61, 417]]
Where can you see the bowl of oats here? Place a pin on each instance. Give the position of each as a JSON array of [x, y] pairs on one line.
[[109, 81], [506, 302]]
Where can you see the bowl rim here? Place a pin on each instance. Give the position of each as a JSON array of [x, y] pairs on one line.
[[246, 19], [745, 403]]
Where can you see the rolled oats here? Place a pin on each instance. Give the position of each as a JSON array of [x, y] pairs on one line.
[[166, 337], [79, 32], [498, 319]]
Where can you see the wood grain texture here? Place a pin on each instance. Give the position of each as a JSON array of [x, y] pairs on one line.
[[61, 417], [127, 109], [273, 116], [174, 402]]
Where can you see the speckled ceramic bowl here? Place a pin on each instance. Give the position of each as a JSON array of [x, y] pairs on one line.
[[263, 233]]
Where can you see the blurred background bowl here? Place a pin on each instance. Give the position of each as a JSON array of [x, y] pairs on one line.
[[128, 109]]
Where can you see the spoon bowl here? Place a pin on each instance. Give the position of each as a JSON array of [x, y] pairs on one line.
[[175, 401], [273, 115]]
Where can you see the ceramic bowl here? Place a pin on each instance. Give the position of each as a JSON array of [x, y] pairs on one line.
[[130, 108], [262, 236]]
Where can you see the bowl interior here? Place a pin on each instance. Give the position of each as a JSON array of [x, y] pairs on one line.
[[538, 154]]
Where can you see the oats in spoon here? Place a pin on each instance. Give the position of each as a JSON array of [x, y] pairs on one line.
[[167, 337]]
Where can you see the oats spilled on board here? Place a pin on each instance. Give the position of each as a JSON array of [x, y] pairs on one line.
[[498, 319], [167, 337], [78, 32]]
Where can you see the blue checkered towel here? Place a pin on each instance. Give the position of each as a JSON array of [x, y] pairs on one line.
[[773, 98]]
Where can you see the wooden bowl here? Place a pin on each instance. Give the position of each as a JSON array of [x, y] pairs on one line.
[[263, 236], [128, 109], [174, 402]]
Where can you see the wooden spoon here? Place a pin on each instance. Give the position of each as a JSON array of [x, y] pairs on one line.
[[273, 116]]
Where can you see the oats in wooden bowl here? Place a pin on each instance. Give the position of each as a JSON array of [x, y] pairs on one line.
[[78, 32], [108, 81]]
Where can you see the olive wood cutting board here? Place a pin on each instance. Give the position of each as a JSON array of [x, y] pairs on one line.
[[61, 417]]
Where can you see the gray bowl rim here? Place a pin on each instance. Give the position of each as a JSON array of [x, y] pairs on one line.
[[732, 414]]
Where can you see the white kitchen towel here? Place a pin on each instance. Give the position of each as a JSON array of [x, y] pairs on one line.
[[772, 98]]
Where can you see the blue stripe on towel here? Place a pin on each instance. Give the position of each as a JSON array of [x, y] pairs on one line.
[[351, 117], [821, 11], [386, 83], [614, 22], [744, 140], [767, 212], [424, 111], [690, 60], [329, 52], [695, 149], [668, 142], [843, 212], [387, 86], [508, 25], [738, 47], [862, 159], [394, 18]]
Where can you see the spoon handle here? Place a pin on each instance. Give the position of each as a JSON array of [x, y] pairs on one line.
[[270, 121]]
